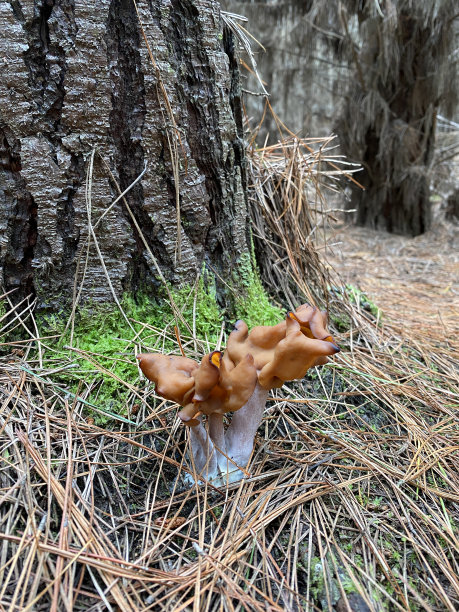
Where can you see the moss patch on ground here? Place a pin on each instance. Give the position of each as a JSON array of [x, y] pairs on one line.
[[99, 353]]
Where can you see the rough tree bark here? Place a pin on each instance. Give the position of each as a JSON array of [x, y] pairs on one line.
[[76, 75], [403, 72]]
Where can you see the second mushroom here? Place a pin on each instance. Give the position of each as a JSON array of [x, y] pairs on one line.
[[237, 381]]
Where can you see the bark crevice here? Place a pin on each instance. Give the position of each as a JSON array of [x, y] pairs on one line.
[[127, 119], [18, 253], [46, 64], [197, 92]]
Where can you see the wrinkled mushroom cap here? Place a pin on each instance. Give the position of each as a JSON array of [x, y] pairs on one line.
[[206, 376], [224, 382], [237, 383], [215, 386], [260, 343], [172, 375], [287, 350], [313, 322], [293, 356], [234, 386]]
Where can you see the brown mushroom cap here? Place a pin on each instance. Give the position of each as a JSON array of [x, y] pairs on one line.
[[237, 384], [293, 356], [224, 382], [215, 386], [260, 343], [313, 322], [234, 387], [278, 359], [188, 412], [206, 376], [172, 375]]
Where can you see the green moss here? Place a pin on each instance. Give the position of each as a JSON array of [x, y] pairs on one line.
[[358, 297], [103, 332], [341, 322], [252, 303], [191, 554], [199, 305], [218, 511], [348, 584], [318, 589]]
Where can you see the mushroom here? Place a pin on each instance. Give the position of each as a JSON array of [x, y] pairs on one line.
[[281, 353], [238, 381], [212, 388]]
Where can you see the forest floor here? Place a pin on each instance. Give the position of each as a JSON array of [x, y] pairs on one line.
[[352, 503], [415, 281]]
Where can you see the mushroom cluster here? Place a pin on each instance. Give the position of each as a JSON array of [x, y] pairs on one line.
[[238, 380]]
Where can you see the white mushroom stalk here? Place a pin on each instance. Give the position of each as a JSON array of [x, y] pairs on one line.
[[222, 457], [237, 381], [240, 435]]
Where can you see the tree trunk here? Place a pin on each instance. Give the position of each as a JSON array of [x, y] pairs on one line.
[[295, 65], [403, 71], [77, 76]]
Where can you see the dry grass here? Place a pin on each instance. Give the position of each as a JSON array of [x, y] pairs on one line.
[[353, 494], [352, 503], [290, 214], [415, 280]]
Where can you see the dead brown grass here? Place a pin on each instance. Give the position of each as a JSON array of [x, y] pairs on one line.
[[353, 495], [415, 280]]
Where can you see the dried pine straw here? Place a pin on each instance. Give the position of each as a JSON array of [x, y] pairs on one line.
[[289, 213], [352, 503]]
